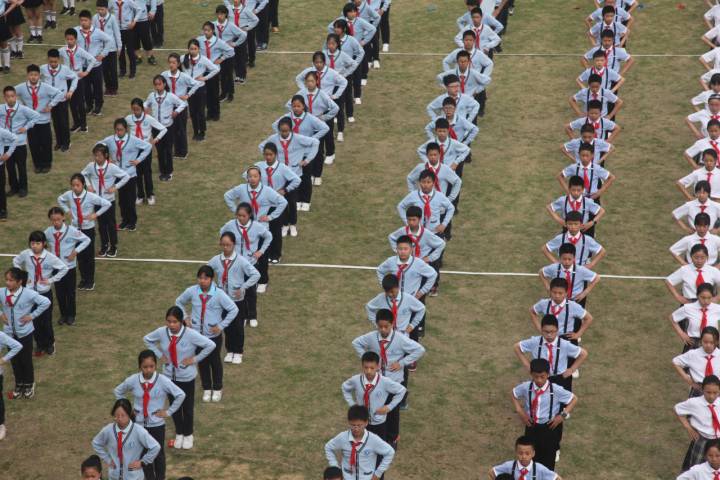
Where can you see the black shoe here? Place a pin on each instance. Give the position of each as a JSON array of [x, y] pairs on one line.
[[29, 391], [222, 98], [47, 24], [64, 10], [139, 61], [122, 226], [56, 147], [62, 320], [70, 321], [103, 251], [112, 252], [72, 11], [51, 350], [251, 64], [90, 286], [242, 81], [195, 137], [97, 113], [122, 74], [152, 61], [75, 128], [230, 98], [131, 76], [201, 137], [64, 148], [6, 69], [262, 46], [132, 228], [53, 24], [39, 39], [11, 193], [22, 193], [84, 129], [3, 215]]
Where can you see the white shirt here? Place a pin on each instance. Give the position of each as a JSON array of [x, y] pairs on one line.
[[693, 314], [701, 145], [695, 361], [700, 418], [688, 210], [687, 276], [685, 244], [702, 471], [703, 117], [712, 176]]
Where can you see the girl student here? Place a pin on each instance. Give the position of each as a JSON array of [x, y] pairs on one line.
[[690, 319], [352, 47], [13, 348], [6, 9], [696, 364], [201, 69], [82, 206], [180, 348], [43, 269], [211, 312], [183, 86], [20, 306], [104, 178], [165, 107], [91, 467], [148, 389], [146, 128], [345, 65], [125, 446], [66, 242], [32, 9], [252, 241], [235, 276], [217, 51], [14, 18]]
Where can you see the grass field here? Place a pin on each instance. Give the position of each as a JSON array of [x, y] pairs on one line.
[[284, 402]]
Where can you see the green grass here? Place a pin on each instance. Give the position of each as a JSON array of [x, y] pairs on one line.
[[284, 402]]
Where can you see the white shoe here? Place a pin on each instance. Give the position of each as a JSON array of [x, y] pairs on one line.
[[386, 47], [3, 432], [335, 120], [340, 137], [187, 443], [285, 230], [237, 358], [352, 119], [376, 64], [307, 205], [370, 64], [317, 182], [358, 101], [206, 395], [253, 322], [216, 395], [151, 200], [138, 201], [228, 357], [301, 205], [293, 231], [557, 456], [329, 160], [576, 374], [261, 289], [179, 439], [363, 82]]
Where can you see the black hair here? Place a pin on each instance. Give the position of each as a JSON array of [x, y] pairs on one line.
[[101, 147], [123, 403], [163, 80], [607, 33], [146, 354], [358, 412], [32, 68], [120, 121], [404, 239], [594, 78], [567, 248], [53, 53], [371, 357], [559, 283], [209, 24], [711, 380], [525, 441], [476, 10], [470, 33], [207, 271], [549, 319], [349, 7], [698, 247], [710, 152], [413, 211], [93, 461], [451, 101], [298, 98], [705, 287], [332, 473], [17, 275], [594, 105], [702, 185], [78, 176], [573, 216], [221, 9], [175, 312], [84, 14], [72, 32], [56, 211], [539, 365], [270, 146], [428, 174], [285, 121], [711, 444], [186, 60], [244, 206], [229, 235], [711, 331], [101, 3], [587, 128], [137, 101], [37, 236], [389, 282], [576, 181], [442, 123], [702, 219], [384, 314], [432, 146], [608, 9], [450, 78]]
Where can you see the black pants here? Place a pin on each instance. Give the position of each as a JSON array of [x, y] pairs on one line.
[[65, 293], [380, 430], [274, 252], [179, 131], [547, 443], [289, 216], [304, 194], [273, 13], [364, 68], [129, 46], [235, 332], [165, 151], [109, 70], [327, 148], [143, 36], [22, 363], [127, 194], [41, 146], [340, 102], [183, 417], [86, 259], [240, 60], [17, 169], [61, 124], [262, 267], [211, 367], [157, 26], [77, 106], [385, 26], [44, 334], [252, 46], [3, 195], [107, 225], [375, 46], [145, 187], [227, 80], [358, 76], [2, 402], [156, 470], [196, 105], [348, 95], [94, 90], [250, 302], [212, 87], [481, 98], [263, 26]]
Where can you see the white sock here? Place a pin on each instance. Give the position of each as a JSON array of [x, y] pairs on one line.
[[32, 31], [65, 4], [53, 16], [72, 3], [19, 43], [5, 57], [47, 15], [38, 31]]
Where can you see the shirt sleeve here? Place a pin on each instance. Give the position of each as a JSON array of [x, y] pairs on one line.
[[675, 278], [528, 345], [682, 360]]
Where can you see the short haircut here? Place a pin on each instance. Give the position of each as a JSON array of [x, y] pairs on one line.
[[608, 9], [594, 105], [549, 319], [576, 181], [442, 123], [358, 412], [370, 357], [607, 33], [711, 444], [285, 121], [415, 212], [475, 11], [404, 239], [56, 211], [573, 216], [715, 79], [470, 33], [525, 441], [71, 31], [332, 473], [101, 3], [705, 287], [32, 68], [93, 461], [451, 101], [711, 331], [428, 174], [221, 9], [53, 53], [699, 247], [567, 248], [539, 365], [559, 283], [206, 270], [389, 282], [587, 128], [432, 146], [711, 380], [384, 315], [450, 78], [703, 186], [586, 147], [594, 78], [85, 14], [702, 219]]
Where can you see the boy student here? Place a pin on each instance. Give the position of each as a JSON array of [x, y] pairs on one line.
[[485, 38], [708, 172], [680, 250], [704, 116], [620, 31], [407, 311], [126, 12], [601, 148], [581, 280], [576, 201], [437, 209], [542, 407], [700, 100], [693, 154], [472, 81], [466, 106], [359, 449], [614, 58], [596, 180], [459, 128], [573, 319], [523, 467], [692, 275], [452, 153], [563, 356], [464, 21], [446, 180], [621, 15], [588, 251], [7, 147], [594, 91], [604, 128], [80, 62], [415, 276], [243, 18], [708, 470], [19, 119], [108, 24], [684, 215], [98, 44], [699, 416], [478, 59], [379, 394], [235, 37], [611, 80], [63, 78]]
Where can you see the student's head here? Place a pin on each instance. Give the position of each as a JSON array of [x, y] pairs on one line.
[[432, 150], [10, 95], [448, 106], [122, 412], [427, 181], [53, 56], [608, 14], [463, 60], [702, 190], [566, 252], [390, 285], [384, 322], [137, 107], [573, 222], [413, 214], [442, 128], [539, 371], [285, 127], [586, 152], [711, 388], [269, 153], [227, 243], [709, 339], [404, 247], [524, 450], [91, 468], [56, 215], [120, 126], [705, 293], [468, 40], [470, 4], [297, 104], [71, 37], [101, 153], [699, 255], [702, 223], [370, 364], [715, 82], [452, 84], [147, 363], [193, 47], [222, 12], [254, 175], [576, 186], [173, 62], [712, 454], [714, 103], [587, 133], [607, 39], [594, 110], [333, 473], [594, 82], [350, 11], [174, 319], [85, 19], [102, 7], [710, 158], [549, 328], [33, 73], [160, 84], [208, 29], [558, 290], [358, 417], [77, 183], [311, 79], [318, 60], [37, 241], [476, 15], [333, 39], [15, 278], [205, 275], [243, 213], [340, 27]]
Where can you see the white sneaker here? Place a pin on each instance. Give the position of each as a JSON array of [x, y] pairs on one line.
[[557, 456], [307, 205], [206, 395], [352, 119], [318, 181], [261, 289], [358, 101], [285, 230], [138, 201], [340, 137], [335, 120], [237, 358], [576, 374], [376, 64], [329, 160], [370, 64], [228, 357], [187, 443], [216, 395], [301, 205], [253, 322], [3, 432], [363, 82], [293, 231], [151, 200], [386, 47], [179, 439]]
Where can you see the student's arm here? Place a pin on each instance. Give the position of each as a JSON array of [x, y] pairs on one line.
[[558, 219], [267, 238], [618, 105], [568, 408], [152, 448], [570, 131], [548, 254], [614, 133], [588, 289], [705, 64], [681, 184], [692, 433], [596, 259], [398, 392], [347, 391], [99, 445], [520, 410], [546, 284], [371, 312], [360, 345], [591, 38], [560, 177], [103, 204], [673, 291], [438, 246], [178, 398], [683, 225], [600, 214], [418, 313], [13, 346], [252, 275], [680, 332], [570, 156], [617, 86], [151, 341], [626, 66], [330, 449], [456, 183], [589, 21], [521, 356], [120, 390], [413, 352], [293, 179], [59, 268], [204, 343], [707, 41], [430, 276], [606, 184], [449, 212], [491, 474], [680, 366], [182, 300], [696, 133], [574, 106], [387, 453], [41, 304], [231, 312]]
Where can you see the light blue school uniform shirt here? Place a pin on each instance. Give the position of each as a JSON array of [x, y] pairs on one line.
[[146, 124], [249, 238], [362, 30], [62, 78], [126, 12], [8, 143], [318, 103], [15, 306], [562, 352], [351, 46], [604, 96], [47, 97], [199, 68], [608, 76], [380, 387], [566, 313], [584, 205], [367, 451], [219, 50], [369, 14], [293, 150], [429, 244], [409, 310], [184, 84], [472, 82], [614, 56], [89, 203], [144, 9], [306, 124], [110, 26], [189, 341], [465, 106], [125, 149], [159, 387], [69, 238], [241, 275], [447, 180], [451, 151], [52, 269], [585, 246], [464, 130], [13, 348], [478, 61], [340, 61], [331, 81], [593, 172], [534, 470], [230, 33], [242, 16], [263, 200], [217, 304], [111, 174], [578, 276], [616, 27], [416, 276], [441, 208], [95, 42], [163, 105], [464, 22], [77, 59], [550, 401], [278, 176], [395, 348], [137, 444], [488, 38], [599, 145]]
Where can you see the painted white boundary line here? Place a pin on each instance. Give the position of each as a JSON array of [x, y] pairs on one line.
[[354, 267]]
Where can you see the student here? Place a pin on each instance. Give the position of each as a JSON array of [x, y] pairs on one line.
[[13, 348], [609, 22], [372, 49], [7, 148], [573, 319], [542, 407], [694, 153], [20, 306], [183, 86], [127, 151], [64, 79], [43, 269], [459, 129], [157, 25], [523, 467], [437, 209], [594, 91], [466, 106], [146, 128], [472, 82], [32, 10], [700, 418], [611, 80], [254, 240], [576, 201], [165, 106], [621, 15], [590, 251], [596, 180], [696, 364], [243, 18], [126, 447], [217, 51], [478, 59], [212, 311], [85, 208], [704, 116], [80, 62], [66, 242], [708, 172], [108, 23], [235, 37], [680, 250], [711, 467], [581, 280], [614, 58], [127, 13], [452, 153], [711, 38], [691, 319], [604, 128], [262, 31], [98, 44], [235, 276], [425, 245], [91, 467], [563, 356], [201, 69], [359, 448], [144, 14], [464, 21], [684, 215], [5, 10], [333, 473], [148, 390], [346, 66], [350, 45], [104, 178], [601, 149], [485, 38], [692, 275], [407, 311], [180, 348]]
